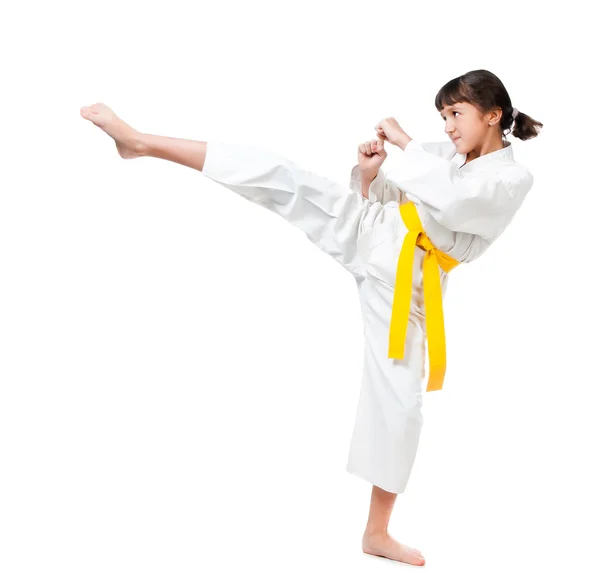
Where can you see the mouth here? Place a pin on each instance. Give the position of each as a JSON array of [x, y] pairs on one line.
[[455, 139]]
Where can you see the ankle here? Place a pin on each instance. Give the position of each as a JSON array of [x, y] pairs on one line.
[[375, 531], [141, 144]]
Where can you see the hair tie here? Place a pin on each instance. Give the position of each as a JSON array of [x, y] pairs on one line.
[[514, 113]]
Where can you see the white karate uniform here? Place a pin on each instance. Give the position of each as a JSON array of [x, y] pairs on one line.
[[463, 209]]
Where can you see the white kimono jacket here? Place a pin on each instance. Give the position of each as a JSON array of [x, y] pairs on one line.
[[463, 207], [462, 210]]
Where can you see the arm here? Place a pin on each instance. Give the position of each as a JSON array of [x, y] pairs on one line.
[[379, 189], [481, 203], [376, 189], [402, 141], [365, 185]]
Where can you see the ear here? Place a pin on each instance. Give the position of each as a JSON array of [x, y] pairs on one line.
[[494, 117]]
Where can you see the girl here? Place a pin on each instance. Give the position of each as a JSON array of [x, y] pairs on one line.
[[399, 235]]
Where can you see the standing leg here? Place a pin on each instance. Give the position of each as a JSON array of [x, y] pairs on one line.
[[388, 418], [376, 539]]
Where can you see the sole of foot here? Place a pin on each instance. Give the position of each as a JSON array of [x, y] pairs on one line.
[[127, 140]]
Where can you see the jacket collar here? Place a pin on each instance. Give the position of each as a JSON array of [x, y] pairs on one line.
[[505, 153]]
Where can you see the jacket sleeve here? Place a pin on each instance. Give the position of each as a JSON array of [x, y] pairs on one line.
[[382, 190], [481, 203]]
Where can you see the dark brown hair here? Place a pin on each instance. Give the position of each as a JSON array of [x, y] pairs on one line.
[[486, 92]]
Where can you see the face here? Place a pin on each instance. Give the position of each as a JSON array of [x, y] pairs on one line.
[[466, 125]]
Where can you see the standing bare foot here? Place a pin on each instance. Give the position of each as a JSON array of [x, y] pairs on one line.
[[383, 544], [128, 141]]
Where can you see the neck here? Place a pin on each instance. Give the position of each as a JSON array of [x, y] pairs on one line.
[[490, 144]]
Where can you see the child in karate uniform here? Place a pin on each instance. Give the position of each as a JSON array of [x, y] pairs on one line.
[[398, 234]]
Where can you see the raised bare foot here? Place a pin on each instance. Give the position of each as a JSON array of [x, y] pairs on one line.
[[385, 545], [128, 141]]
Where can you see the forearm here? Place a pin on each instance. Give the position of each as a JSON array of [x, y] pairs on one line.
[[365, 183], [366, 179], [402, 140]]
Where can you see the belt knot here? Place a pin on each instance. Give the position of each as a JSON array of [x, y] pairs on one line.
[[424, 242]]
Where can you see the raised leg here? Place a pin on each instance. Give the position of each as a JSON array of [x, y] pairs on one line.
[[332, 216], [190, 153], [133, 144]]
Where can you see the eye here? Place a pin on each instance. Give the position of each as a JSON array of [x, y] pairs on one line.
[[455, 112]]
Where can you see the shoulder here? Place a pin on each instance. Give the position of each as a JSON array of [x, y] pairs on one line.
[[516, 177], [504, 184]]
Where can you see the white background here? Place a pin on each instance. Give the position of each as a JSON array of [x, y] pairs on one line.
[[180, 368]]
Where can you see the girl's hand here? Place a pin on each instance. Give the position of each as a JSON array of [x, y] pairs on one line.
[[371, 155], [389, 129]]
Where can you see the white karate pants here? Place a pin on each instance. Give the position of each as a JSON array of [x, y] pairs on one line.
[[364, 237]]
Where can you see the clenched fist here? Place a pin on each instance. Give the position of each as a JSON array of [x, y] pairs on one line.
[[389, 129], [371, 155]]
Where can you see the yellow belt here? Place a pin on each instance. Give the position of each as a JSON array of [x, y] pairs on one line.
[[434, 314]]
